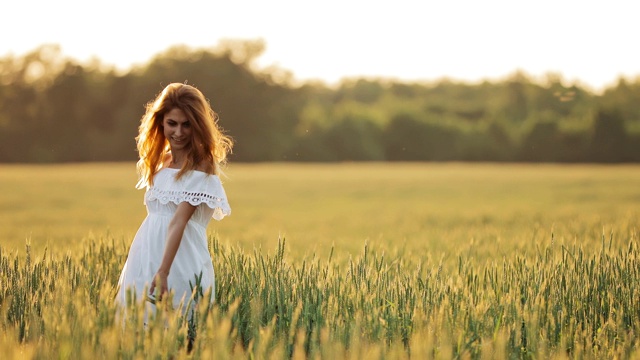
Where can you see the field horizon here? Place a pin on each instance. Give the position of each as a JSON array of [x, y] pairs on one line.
[[343, 205]]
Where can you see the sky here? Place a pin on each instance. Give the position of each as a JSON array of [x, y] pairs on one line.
[[589, 42]]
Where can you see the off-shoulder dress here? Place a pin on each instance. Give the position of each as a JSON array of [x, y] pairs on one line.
[[192, 259]]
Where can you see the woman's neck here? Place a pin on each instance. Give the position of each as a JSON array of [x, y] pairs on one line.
[[177, 159]]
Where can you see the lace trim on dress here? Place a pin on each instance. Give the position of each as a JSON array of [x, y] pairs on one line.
[[218, 204]]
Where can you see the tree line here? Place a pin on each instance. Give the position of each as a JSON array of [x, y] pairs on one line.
[[56, 109]]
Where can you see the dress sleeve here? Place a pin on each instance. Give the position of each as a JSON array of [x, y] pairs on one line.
[[195, 188]]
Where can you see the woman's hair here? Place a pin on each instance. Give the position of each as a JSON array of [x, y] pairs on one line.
[[208, 147]]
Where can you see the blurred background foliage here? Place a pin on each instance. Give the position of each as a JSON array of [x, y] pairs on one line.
[[55, 109]]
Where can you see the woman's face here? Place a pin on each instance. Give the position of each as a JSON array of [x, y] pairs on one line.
[[177, 129]]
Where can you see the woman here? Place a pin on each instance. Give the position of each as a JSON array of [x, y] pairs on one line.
[[181, 151]]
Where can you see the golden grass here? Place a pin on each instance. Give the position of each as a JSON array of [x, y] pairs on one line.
[[462, 261]]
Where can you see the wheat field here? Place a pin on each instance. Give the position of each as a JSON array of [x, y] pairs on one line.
[[346, 260]]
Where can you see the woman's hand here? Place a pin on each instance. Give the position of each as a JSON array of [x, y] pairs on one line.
[[160, 282]]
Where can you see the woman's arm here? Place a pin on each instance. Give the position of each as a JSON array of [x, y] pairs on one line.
[[174, 237]]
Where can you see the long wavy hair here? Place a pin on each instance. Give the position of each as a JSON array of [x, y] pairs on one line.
[[208, 147]]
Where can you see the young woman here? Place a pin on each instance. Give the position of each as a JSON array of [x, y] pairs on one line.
[[181, 151]]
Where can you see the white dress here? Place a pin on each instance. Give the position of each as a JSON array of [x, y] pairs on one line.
[[192, 259]]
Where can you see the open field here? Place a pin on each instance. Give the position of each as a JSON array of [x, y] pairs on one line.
[[428, 208], [421, 260]]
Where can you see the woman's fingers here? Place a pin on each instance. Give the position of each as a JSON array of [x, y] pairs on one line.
[[160, 283]]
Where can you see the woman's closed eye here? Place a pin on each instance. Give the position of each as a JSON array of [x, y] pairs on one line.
[[172, 123]]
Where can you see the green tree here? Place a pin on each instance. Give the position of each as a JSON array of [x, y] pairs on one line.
[[354, 138], [360, 90], [541, 143], [609, 140], [408, 138]]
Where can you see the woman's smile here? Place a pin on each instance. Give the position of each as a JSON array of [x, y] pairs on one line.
[[177, 129]]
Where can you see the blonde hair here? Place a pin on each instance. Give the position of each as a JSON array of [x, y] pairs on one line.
[[208, 146]]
